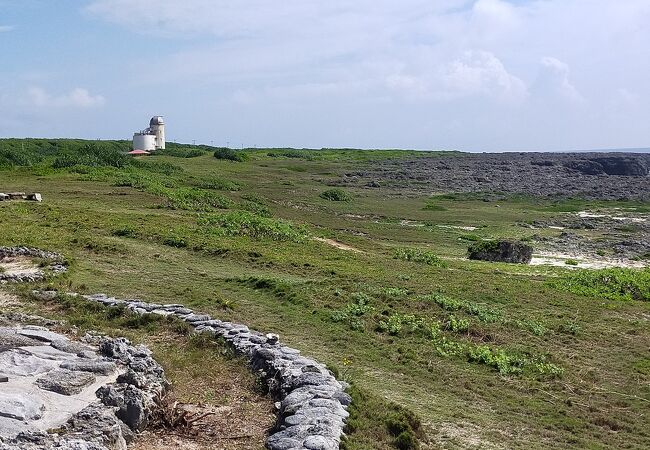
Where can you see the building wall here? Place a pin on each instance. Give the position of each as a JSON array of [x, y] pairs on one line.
[[145, 142]]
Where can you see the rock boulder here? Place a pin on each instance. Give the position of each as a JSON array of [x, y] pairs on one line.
[[501, 251]]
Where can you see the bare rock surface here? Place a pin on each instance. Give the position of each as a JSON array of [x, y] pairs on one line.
[[66, 382], [60, 388], [598, 176]]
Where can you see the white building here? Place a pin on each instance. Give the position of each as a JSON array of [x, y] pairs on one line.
[[151, 139]]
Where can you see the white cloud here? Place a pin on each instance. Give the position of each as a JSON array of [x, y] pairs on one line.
[[6, 28], [553, 80], [480, 72], [517, 71], [76, 98]]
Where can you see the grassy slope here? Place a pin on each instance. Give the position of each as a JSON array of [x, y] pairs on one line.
[[600, 401]]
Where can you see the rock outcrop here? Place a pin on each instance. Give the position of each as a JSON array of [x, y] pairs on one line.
[[50, 381], [501, 251], [610, 165]]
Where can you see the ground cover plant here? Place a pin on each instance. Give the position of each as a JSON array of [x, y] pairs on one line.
[[429, 339]]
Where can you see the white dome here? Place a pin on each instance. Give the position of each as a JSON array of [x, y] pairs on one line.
[[156, 120]]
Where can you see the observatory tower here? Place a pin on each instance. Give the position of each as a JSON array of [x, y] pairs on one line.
[[151, 139]]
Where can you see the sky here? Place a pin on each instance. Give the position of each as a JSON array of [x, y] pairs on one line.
[[473, 75]]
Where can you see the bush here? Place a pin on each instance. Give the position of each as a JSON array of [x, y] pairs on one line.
[[289, 153], [336, 195], [242, 223], [418, 255], [229, 154]]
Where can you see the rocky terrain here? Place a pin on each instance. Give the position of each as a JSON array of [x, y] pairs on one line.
[[96, 392], [621, 237], [605, 176]]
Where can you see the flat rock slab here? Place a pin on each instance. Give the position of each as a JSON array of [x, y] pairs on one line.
[[95, 366], [65, 382], [18, 362], [20, 407], [69, 346], [39, 394], [9, 337], [41, 334]]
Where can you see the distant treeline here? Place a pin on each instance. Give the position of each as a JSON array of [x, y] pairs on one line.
[[58, 153]]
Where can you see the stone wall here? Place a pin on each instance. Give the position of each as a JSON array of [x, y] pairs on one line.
[[312, 404]]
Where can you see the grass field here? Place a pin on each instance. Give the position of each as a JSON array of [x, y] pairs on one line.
[[476, 355]]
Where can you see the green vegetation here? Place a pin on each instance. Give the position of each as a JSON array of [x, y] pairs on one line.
[[336, 195], [484, 246], [419, 256], [611, 284], [241, 223], [229, 154], [429, 339]]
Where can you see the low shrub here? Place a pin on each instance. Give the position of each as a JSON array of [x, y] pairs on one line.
[[243, 223], [612, 284], [180, 152], [336, 195], [375, 422], [357, 307], [229, 154], [218, 184], [419, 256]]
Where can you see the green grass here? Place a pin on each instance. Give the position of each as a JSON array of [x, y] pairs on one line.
[[540, 348], [611, 284]]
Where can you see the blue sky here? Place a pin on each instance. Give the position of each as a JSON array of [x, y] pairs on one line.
[[478, 75]]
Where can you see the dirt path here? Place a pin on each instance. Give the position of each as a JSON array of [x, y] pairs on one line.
[[338, 245]]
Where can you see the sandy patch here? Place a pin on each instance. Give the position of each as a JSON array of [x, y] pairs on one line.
[[338, 245], [457, 227], [18, 265], [462, 435], [590, 215], [7, 300]]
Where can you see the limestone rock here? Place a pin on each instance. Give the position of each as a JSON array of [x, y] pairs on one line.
[[95, 366], [20, 407], [65, 382]]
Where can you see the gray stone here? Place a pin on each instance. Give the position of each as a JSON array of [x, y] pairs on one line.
[[21, 363], [69, 346], [134, 411], [20, 407], [47, 296], [40, 333], [65, 382], [283, 443], [95, 366], [196, 318], [9, 337], [320, 443]]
